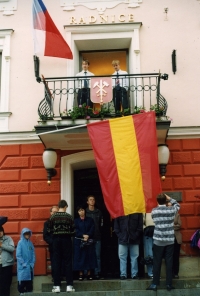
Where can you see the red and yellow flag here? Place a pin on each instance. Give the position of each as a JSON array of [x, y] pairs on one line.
[[126, 156]]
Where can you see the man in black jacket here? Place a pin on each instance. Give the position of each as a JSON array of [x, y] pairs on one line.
[[48, 237], [96, 215], [128, 230]]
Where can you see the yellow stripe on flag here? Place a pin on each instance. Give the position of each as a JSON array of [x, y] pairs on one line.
[[128, 164]]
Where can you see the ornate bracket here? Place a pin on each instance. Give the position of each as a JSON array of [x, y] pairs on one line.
[[100, 6]]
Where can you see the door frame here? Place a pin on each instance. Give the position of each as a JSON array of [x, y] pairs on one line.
[[88, 37], [69, 163]]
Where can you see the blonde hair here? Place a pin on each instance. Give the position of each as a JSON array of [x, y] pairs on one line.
[[114, 62]]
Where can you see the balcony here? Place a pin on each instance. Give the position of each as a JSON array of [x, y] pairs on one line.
[[60, 113]]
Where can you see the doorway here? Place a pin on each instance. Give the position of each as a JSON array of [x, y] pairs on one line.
[[101, 61], [86, 182]]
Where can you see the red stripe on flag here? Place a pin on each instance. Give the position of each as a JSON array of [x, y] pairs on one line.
[[55, 44], [148, 152], [101, 140]]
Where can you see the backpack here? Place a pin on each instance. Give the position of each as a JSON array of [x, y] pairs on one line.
[[195, 239]]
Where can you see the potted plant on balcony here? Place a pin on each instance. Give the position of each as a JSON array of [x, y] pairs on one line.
[[85, 112], [138, 110], [158, 109]]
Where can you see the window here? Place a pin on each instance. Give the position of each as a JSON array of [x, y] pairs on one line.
[[5, 38]]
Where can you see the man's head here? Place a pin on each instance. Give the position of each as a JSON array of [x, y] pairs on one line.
[[90, 200], [161, 199], [53, 210], [62, 204], [85, 64], [116, 65]]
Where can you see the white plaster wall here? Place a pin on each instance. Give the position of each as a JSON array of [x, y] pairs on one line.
[[158, 37]]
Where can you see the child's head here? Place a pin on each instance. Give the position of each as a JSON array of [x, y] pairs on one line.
[[27, 234], [161, 199]]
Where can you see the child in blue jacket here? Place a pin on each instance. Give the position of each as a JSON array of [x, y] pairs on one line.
[[25, 255]]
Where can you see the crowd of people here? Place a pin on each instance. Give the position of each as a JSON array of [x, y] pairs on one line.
[[161, 238]]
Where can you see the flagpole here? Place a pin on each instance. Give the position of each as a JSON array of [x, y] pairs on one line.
[[60, 130]]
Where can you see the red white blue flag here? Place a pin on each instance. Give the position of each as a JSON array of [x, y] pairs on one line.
[[47, 39]]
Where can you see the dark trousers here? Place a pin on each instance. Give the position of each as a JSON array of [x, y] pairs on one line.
[[175, 266], [120, 99], [25, 286], [158, 253], [5, 280], [52, 261], [62, 253], [84, 97]]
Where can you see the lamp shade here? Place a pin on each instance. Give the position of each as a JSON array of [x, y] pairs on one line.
[[163, 154], [49, 158]]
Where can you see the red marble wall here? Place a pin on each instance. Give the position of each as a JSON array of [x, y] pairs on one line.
[[26, 198]]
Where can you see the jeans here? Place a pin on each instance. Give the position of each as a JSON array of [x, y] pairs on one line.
[[123, 254], [98, 255], [148, 251]]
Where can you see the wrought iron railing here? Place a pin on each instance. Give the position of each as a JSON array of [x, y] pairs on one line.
[[60, 95]]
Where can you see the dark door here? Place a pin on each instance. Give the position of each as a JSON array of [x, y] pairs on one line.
[[86, 182]]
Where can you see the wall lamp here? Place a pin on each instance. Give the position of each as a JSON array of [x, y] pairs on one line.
[[49, 159], [163, 158]]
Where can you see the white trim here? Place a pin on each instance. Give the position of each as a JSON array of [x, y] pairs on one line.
[[5, 38], [11, 138], [84, 34], [8, 7], [70, 163]]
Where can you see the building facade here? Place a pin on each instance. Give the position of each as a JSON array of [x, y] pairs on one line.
[[142, 34]]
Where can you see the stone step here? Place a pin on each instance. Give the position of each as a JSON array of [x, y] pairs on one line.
[[161, 292], [117, 287]]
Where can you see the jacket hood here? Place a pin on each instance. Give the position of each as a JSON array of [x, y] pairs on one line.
[[23, 231]]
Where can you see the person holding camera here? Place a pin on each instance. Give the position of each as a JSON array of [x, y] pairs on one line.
[[163, 239], [84, 246]]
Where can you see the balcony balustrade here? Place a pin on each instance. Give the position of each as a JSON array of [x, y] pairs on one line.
[[143, 94]]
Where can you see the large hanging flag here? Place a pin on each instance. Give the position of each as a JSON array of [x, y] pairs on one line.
[[47, 39], [126, 156]]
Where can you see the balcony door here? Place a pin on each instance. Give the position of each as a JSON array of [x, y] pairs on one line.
[[101, 61]]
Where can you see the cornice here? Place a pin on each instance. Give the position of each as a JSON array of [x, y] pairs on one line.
[[9, 138], [117, 27]]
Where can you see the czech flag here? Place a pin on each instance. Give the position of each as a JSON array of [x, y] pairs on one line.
[[47, 39], [126, 156]]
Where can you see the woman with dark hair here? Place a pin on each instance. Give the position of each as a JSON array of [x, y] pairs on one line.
[[6, 262], [84, 248]]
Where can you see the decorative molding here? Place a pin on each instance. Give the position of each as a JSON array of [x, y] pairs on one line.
[[100, 6], [188, 132], [8, 6], [70, 163], [5, 114], [10, 138]]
